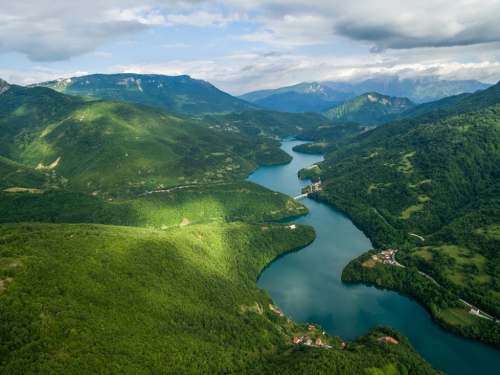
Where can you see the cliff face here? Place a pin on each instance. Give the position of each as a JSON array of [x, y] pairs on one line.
[[4, 86]]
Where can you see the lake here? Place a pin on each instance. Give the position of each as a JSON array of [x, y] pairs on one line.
[[306, 284]]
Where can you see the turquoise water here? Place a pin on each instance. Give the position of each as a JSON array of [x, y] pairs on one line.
[[306, 284]]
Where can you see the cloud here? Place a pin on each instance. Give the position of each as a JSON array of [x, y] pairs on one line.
[[202, 19], [55, 30], [247, 71]]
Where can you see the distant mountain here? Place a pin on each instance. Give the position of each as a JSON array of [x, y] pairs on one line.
[[298, 98], [419, 90], [181, 94], [366, 108], [4, 86], [106, 145], [318, 96]]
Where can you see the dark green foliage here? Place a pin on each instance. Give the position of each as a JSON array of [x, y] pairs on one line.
[[433, 296], [366, 108], [329, 137], [263, 123], [424, 108], [436, 175], [179, 94]]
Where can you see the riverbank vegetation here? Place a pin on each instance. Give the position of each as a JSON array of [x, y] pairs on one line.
[[443, 302], [428, 185]]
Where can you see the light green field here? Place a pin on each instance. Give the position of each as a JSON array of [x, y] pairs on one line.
[[420, 183], [458, 316], [423, 254], [386, 370], [492, 231], [407, 213], [423, 198], [405, 165]]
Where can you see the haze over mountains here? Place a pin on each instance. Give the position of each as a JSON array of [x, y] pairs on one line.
[[326, 95]]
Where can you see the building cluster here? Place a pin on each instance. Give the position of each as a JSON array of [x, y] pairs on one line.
[[386, 258], [306, 340]]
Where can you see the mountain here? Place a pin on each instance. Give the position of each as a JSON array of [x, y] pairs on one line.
[[424, 108], [366, 108], [4, 86], [428, 185], [149, 281], [174, 93], [292, 101], [263, 123], [328, 138], [419, 89], [105, 146], [303, 97]]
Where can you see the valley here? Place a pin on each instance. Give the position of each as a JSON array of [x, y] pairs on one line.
[[141, 227]]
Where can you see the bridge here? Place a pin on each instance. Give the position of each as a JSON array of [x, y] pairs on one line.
[[301, 196]]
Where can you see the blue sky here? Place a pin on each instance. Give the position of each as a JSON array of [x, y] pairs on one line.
[[241, 46]]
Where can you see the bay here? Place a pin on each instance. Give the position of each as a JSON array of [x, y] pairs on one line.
[[306, 284]]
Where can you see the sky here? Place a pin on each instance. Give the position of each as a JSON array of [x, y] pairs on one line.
[[245, 45]]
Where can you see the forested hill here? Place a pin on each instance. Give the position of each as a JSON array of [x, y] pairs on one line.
[[181, 94], [367, 108], [129, 243], [263, 123], [435, 176], [113, 147]]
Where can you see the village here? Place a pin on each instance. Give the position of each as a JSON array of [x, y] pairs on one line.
[[312, 339], [388, 257]]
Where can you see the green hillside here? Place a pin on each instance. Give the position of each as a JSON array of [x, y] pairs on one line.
[[328, 138], [366, 108], [263, 123], [194, 204], [181, 94], [129, 243], [111, 147], [424, 108], [436, 179]]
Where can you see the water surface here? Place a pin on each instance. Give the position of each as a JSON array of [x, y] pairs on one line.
[[306, 284]]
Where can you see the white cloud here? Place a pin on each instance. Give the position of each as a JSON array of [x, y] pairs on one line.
[[247, 71], [202, 19], [35, 75]]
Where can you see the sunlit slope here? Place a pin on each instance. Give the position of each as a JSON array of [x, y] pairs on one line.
[[81, 299], [181, 94], [105, 145], [86, 299], [215, 203]]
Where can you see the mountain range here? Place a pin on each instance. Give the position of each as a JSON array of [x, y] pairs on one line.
[[181, 94], [323, 96], [130, 243]]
